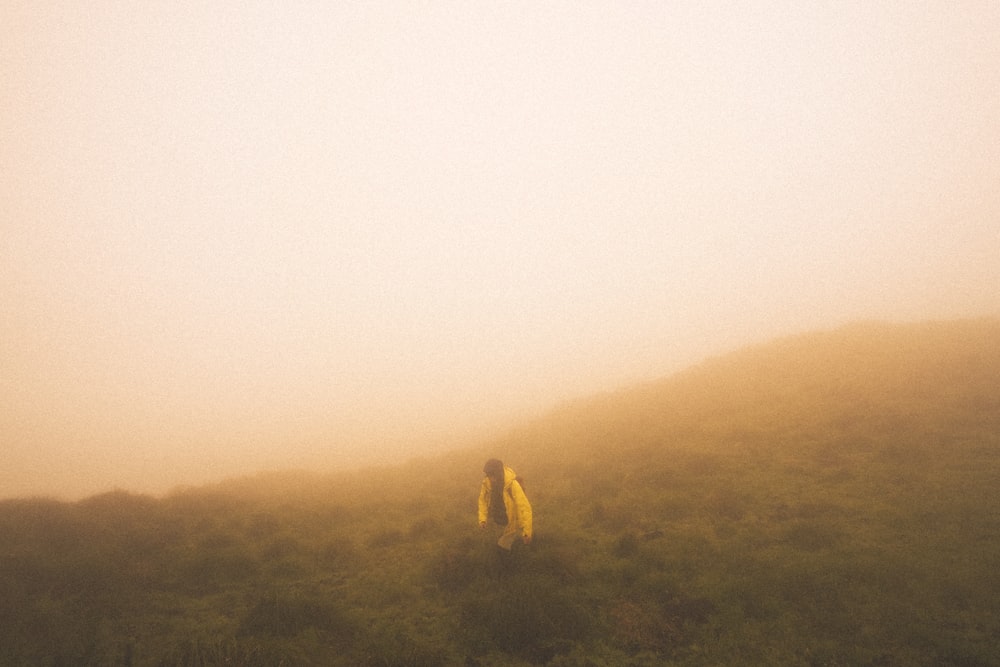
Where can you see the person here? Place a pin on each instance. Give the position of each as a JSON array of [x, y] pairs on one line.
[[502, 501]]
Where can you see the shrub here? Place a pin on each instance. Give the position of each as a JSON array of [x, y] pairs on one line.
[[528, 616], [288, 615], [456, 567], [201, 652], [386, 538], [626, 545]]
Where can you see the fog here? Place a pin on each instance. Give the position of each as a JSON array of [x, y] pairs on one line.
[[247, 236]]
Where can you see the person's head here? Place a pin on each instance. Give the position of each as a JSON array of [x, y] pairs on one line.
[[493, 469]]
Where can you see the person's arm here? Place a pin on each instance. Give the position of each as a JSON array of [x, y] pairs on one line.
[[523, 510], [484, 501]]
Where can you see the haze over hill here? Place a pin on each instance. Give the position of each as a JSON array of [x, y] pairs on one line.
[[928, 379], [910, 388]]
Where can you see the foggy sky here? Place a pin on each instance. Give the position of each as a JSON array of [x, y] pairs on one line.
[[251, 235]]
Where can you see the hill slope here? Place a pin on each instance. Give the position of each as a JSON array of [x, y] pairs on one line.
[[864, 379], [825, 499]]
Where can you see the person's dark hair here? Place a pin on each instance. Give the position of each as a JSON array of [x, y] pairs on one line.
[[494, 468]]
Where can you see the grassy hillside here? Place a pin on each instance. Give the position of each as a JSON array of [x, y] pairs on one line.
[[826, 499]]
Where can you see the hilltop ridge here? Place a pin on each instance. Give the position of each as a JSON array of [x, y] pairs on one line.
[[855, 381], [867, 375]]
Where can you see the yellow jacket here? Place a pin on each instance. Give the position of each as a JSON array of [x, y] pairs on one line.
[[515, 502]]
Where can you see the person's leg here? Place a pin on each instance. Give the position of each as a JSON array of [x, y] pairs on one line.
[[498, 555], [505, 547], [508, 537]]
